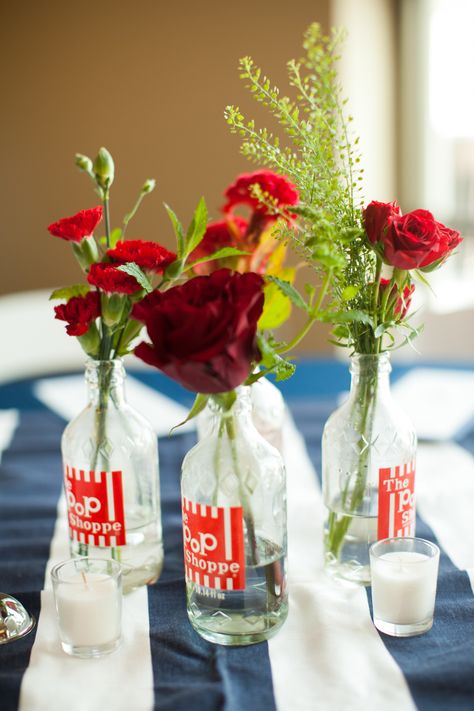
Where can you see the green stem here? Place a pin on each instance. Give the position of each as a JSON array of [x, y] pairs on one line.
[[375, 302], [363, 416], [107, 216], [312, 317], [247, 511], [104, 378], [131, 214]]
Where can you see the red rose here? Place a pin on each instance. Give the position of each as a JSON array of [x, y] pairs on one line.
[[79, 312], [376, 218], [279, 188], [203, 333], [416, 240], [150, 256], [220, 234], [403, 301], [110, 279], [75, 228]]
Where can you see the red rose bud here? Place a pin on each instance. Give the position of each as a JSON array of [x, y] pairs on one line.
[[149, 256], [416, 240], [220, 234], [376, 219], [203, 333], [80, 225], [280, 190], [402, 304], [110, 279], [79, 312]]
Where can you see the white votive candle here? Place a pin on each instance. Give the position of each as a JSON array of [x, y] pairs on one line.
[[88, 604], [404, 575]]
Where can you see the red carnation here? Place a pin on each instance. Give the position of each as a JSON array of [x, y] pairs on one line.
[[402, 304], [79, 312], [220, 234], [150, 256], [75, 228], [108, 278], [203, 333], [376, 219], [416, 241], [281, 191]]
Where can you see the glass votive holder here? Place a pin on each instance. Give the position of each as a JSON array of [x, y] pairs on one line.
[[88, 598], [404, 575]]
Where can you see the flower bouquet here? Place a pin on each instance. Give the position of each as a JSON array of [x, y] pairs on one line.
[[364, 263], [204, 335], [109, 451]]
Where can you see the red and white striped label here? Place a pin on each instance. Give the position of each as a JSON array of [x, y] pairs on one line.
[[214, 552], [95, 506], [396, 501]]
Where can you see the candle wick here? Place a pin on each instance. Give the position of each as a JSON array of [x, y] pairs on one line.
[[84, 579]]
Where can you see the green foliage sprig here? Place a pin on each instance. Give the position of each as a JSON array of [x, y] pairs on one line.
[[320, 156]]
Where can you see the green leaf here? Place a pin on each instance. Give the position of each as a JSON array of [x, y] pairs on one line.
[[346, 317], [290, 291], [273, 362], [134, 270], [178, 230], [67, 292], [276, 308], [350, 292], [197, 228], [423, 280], [220, 254], [115, 236], [199, 404], [383, 328]]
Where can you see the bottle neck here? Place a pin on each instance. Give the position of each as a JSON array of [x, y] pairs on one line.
[[370, 372], [104, 380], [231, 418]]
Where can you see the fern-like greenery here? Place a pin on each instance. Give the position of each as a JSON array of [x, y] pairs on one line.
[[323, 162]]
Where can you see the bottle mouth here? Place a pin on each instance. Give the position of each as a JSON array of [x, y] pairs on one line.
[[97, 371], [368, 363]]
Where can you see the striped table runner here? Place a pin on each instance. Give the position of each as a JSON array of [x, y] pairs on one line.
[[328, 655]]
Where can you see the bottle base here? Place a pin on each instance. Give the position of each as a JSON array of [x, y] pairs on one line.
[[238, 630], [351, 571]]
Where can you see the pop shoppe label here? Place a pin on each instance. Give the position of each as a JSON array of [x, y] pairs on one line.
[[214, 553], [396, 501], [95, 506]]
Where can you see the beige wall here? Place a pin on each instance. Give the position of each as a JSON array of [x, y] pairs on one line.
[[150, 81]]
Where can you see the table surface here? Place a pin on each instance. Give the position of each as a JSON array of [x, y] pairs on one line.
[[328, 655]]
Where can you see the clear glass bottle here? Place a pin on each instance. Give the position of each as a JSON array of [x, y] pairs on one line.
[[268, 413], [111, 479], [368, 450], [233, 490]]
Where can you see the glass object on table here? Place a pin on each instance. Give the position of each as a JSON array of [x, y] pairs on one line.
[[15, 621], [111, 479], [404, 577], [234, 522], [88, 599], [368, 450]]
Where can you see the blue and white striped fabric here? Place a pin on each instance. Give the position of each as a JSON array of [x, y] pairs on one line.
[[328, 655]]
